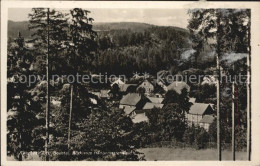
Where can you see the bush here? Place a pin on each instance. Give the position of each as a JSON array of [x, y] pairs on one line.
[[201, 138]]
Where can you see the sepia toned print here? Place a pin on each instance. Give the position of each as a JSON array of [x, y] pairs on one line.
[[128, 84]]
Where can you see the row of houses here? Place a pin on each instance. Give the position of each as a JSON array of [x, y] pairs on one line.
[[135, 105], [149, 85]]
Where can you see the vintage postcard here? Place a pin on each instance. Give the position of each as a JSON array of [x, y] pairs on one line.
[[133, 83]]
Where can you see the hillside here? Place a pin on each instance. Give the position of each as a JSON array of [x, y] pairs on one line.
[[15, 27]]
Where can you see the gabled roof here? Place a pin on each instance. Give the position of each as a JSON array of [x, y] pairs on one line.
[[124, 87], [131, 99], [118, 81], [147, 82], [149, 105], [199, 108], [178, 86], [129, 110], [207, 119], [104, 93], [156, 99]]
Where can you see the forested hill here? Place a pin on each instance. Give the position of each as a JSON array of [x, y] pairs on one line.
[[15, 27], [127, 47]]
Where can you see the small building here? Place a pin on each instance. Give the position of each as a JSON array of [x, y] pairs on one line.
[[133, 100], [150, 105], [105, 94], [157, 100], [206, 121], [118, 81], [129, 110], [139, 116], [197, 112], [127, 88], [178, 86], [147, 85], [136, 76]]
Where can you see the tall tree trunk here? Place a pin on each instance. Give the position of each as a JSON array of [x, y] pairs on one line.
[[218, 111], [249, 105], [218, 14], [233, 121], [70, 115], [47, 91]]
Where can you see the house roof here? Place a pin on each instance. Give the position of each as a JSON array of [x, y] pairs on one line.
[[140, 118], [118, 81], [149, 105], [156, 99], [198, 108], [178, 86], [124, 87], [128, 110], [150, 82], [130, 99], [104, 93], [207, 119]]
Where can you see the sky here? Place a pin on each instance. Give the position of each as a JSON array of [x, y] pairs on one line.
[[163, 17]]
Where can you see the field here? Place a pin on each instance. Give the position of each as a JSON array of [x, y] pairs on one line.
[[152, 154]]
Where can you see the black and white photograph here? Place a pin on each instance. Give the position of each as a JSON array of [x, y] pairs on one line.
[[127, 84]]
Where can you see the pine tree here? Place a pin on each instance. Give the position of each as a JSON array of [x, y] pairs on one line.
[[24, 122], [49, 40], [81, 47], [222, 29]]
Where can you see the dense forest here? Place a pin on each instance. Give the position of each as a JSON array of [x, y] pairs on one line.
[[126, 48]]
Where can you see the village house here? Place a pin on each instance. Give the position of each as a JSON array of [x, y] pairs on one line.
[[118, 81], [206, 121], [132, 101], [197, 112], [136, 76], [178, 86], [147, 86], [157, 100], [150, 105], [105, 94], [139, 116], [124, 88]]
